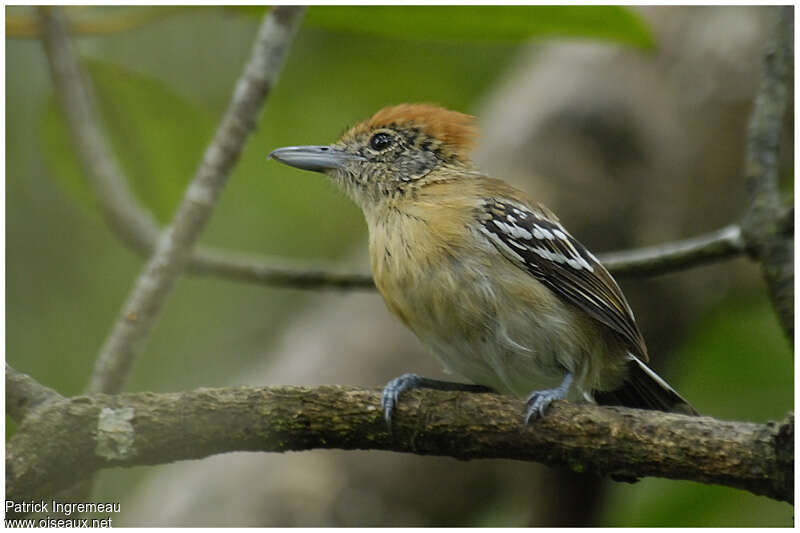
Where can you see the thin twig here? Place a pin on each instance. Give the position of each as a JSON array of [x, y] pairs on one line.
[[649, 261], [104, 431], [125, 215], [673, 256], [175, 242], [761, 226], [275, 272], [23, 394], [136, 226]]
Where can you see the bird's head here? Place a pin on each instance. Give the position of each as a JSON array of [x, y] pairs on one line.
[[398, 150]]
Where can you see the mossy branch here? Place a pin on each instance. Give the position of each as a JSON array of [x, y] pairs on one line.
[[102, 431]]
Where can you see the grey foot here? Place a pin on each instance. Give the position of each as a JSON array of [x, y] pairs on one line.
[[393, 389], [540, 400], [406, 382]]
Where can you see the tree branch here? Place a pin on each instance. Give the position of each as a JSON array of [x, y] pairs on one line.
[[102, 431], [275, 272], [649, 261], [670, 257], [174, 244], [24, 394], [134, 225], [761, 225], [137, 227]]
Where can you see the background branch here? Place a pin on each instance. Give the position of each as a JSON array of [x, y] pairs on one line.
[[133, 224], [131, 221], [173, 246], [673, 256], [761, 225], [104, 431], [275, 272], [138, 228], [649, 261]]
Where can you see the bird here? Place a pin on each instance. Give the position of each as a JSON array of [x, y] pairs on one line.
[[488, 280]]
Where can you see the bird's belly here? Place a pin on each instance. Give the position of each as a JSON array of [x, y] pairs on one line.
[[480, 332], [506, 357]]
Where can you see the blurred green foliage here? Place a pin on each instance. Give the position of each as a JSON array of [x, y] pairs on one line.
[[157, 136], [740, 355], [161, 89], [502, 23]]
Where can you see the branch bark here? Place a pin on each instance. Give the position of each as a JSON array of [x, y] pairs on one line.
[[175, 242], [762, 223], [102, 431], [24, 394]]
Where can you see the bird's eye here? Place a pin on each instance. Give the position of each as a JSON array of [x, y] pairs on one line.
[[381, 141]]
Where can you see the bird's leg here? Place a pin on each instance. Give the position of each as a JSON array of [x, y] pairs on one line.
[[540, 400], [406, 382]]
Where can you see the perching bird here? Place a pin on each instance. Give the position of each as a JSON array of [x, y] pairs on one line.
[[487, 279]]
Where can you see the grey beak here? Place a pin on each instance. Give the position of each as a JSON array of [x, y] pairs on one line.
[[316, 158]]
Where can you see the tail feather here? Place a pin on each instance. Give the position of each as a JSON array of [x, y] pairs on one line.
[[644, 389]]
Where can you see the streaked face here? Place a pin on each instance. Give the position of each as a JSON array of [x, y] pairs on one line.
[[386, 155], [369, 164]]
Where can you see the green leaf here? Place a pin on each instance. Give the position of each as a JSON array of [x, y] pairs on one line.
[[156, 136], [507, 23]]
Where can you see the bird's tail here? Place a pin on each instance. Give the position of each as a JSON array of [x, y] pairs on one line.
[[644, 389]]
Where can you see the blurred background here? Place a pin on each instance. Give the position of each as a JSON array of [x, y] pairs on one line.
[[628, 122]]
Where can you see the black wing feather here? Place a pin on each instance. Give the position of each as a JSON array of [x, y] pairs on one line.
[[534, 240]]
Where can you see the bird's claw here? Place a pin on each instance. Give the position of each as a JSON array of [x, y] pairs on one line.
[[539, 401], [392, 391]]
